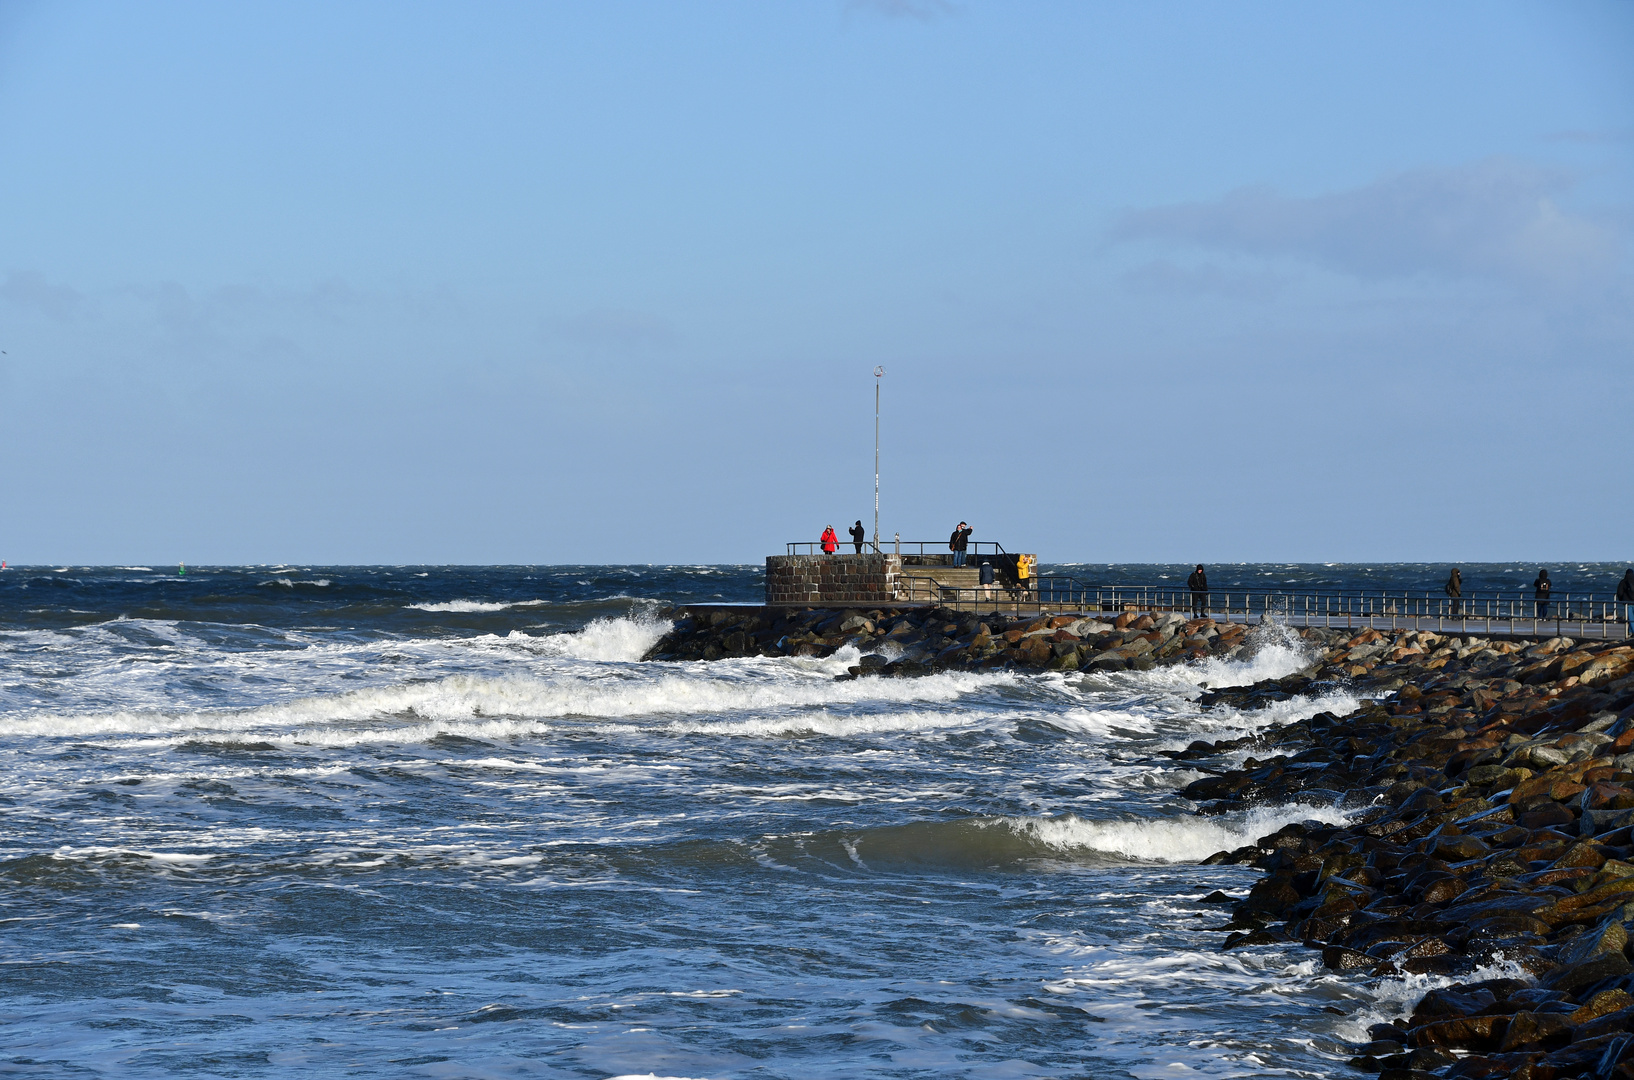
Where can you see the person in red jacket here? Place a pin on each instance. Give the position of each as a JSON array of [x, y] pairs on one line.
[[831, 540]]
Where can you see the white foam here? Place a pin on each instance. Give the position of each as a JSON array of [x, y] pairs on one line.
[[1173, 840], [1395, 996], [1273, 652], [487, 707], [621, 639], [475, 606]]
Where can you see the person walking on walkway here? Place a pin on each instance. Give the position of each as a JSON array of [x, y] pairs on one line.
[[1540, 592], [959, 542], [831, 541], [857, 534], [1455, 589], [1198, 584], [1625, 597]]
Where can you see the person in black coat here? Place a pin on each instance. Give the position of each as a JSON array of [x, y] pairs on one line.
[[1540, 592], [959, 543], [1455, 589], [858, 533], [1198, 584], [1625, 597]]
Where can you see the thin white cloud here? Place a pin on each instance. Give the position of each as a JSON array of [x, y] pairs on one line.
[[1494, 217]]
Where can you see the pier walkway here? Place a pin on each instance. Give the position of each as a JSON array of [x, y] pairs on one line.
[[1570, 616]]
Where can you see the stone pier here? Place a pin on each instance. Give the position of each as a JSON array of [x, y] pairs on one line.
[[830, 580]]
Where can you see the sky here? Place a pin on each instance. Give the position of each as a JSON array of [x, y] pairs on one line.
[[607, 282]]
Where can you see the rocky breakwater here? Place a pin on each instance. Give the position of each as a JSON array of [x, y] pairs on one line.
[[1494, 850], [918, 640]]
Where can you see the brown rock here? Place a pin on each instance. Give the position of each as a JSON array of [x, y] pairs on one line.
[[1036, 651], [1544, 816], [1610, 937], [1621, 1020], [1582, 854], [1465, 1032], [1604, 1003], [1515, 1066], [1572, 1060], [1460, 849], [1570, 977], [1275, 895], [1618, 890], [1606, 796], [1550, 784], [1539, 1030], [1448, 888]]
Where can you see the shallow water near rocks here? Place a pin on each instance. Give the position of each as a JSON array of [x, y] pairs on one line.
[[434, 822]]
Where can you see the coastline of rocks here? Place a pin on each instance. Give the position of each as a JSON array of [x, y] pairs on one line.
[[1494, 847], [908, 641]]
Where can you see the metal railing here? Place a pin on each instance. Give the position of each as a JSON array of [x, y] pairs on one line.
[[1562, 615], [919, 548]]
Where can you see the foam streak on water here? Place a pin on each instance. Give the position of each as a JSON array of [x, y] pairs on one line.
[[420, 822]]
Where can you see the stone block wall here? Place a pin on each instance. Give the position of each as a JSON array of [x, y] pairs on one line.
[[832, 580]]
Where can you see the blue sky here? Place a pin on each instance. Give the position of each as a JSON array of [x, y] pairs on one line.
[[606, 282]]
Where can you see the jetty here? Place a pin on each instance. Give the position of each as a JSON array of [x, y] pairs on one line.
[[993, 581]]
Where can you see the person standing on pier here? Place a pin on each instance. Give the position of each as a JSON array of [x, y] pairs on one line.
[[1540, 592], [831, 541], [1198, 584], [959, 542], [858, 533], [1625, 597], [1455, 589]]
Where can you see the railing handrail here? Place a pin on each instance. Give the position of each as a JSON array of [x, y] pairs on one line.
[[1389, 594], [844, 546]]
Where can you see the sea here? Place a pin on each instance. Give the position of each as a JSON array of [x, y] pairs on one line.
[[444, 822]]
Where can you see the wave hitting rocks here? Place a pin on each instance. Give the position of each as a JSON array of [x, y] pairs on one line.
[[916, 641], [1501, 778]]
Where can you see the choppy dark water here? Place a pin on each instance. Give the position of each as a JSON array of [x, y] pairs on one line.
[[438, 822]]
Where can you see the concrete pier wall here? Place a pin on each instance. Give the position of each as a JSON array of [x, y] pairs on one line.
[[833, 579]]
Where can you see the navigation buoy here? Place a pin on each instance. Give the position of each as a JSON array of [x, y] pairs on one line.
[[181, 570]]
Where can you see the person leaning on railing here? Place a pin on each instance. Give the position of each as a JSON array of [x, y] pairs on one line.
[[1540, 592], [1455, 589]]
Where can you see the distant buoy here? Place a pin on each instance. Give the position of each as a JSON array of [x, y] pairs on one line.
[[181, 570]]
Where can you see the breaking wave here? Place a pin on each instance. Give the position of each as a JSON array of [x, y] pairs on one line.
[[1007, 840], [471, 607]]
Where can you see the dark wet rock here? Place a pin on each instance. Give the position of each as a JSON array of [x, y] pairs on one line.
[[1501, 830]]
